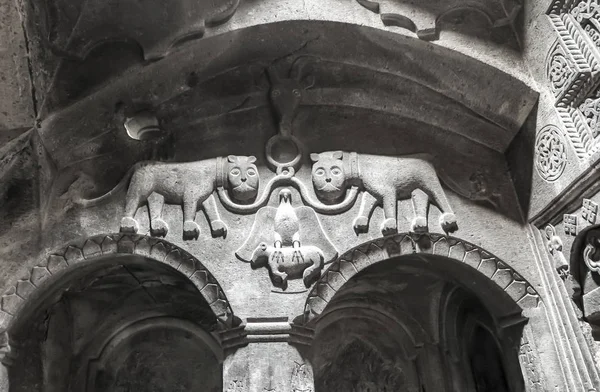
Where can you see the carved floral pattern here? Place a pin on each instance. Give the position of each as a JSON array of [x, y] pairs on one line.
[[551, 156], [559, 71], [117, 244], [591, 111], [354, 261]]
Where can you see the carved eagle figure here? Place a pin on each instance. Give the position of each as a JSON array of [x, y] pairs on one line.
[[287, 226]]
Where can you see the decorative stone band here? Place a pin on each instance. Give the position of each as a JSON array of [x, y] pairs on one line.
[[582, 71], [266, 330], [86, 251], [354, 261]]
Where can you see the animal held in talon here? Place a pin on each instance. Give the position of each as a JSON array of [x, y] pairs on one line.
[[289, 241], [190, 184], [385, 180]]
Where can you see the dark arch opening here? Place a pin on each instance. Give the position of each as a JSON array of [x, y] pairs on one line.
[[404, 324], [103, 326]]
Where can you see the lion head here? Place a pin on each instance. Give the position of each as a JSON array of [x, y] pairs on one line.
[[243, 177], [328, 176]]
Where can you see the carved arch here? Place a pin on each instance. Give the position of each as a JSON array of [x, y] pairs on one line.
[[88, 250], [402, 244]]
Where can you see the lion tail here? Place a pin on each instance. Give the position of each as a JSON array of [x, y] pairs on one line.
[[101, 199]]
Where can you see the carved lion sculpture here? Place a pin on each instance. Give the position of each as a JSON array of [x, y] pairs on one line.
[[385, 181], [189, 184]]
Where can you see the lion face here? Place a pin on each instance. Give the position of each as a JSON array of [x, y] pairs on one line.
[[243, 177], [328, 176]]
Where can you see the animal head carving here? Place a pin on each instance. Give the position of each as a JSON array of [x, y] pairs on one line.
[[260, 256], [243, 177], [328, 175], [286, 93]]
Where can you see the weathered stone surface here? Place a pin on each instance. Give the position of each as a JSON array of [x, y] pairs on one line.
[[412, 178]]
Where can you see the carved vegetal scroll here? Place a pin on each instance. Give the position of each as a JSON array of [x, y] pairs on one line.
[[385, 180]]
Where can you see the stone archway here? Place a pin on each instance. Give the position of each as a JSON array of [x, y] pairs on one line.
[[116, 296], [87, 251], [401, 313], [372, 252]]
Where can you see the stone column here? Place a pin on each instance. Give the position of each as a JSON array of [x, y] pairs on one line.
[[4, 362], [268, 355]]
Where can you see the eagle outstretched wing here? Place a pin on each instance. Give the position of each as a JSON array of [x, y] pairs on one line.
[[263, 230], [312, 233]]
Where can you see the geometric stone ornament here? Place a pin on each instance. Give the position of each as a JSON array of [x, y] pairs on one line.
[[572, 65], [570, 222], [573, 72], [550, 153], [427, 19], [589, 211]]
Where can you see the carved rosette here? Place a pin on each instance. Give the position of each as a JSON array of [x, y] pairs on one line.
[[550, 153]]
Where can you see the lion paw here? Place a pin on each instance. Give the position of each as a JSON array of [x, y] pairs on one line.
[[219, 229], [280, 280], [129, 225], [361, 224], [448, 222], [389, 226], [419, 225], [191, 230], [160, 228], [310, 276]]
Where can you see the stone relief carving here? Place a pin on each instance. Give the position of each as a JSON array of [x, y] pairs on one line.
[[426, 23], [550, 153], [589, 211], [555, 247], [155, 25], [190, 184], [573, 70], [585, 269], [288, 238], [529, 361], [570, 224], [290, 241], [302, 378], [385, 180]]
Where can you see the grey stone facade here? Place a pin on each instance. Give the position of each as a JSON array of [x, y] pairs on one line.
[[299, 196]]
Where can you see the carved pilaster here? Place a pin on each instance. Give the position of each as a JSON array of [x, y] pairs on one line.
[[268, 354], [5, 361]]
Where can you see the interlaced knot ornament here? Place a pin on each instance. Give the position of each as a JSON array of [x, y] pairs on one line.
[[550, 153]]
